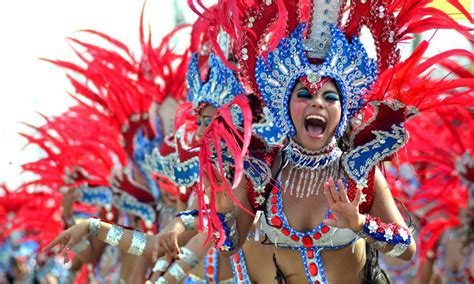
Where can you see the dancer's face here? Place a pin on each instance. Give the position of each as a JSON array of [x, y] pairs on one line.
[[315, 115], [204, 118], [168, 198]]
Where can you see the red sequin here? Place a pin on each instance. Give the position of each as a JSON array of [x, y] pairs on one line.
[[307, 241], [273, 200], [317, 236], [285, 232], [310, 253], [274, 209], [295, 238], [210, 270], [325, 229], [313, 269], [276, 221]]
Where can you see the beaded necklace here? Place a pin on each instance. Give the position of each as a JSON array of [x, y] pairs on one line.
[[314, 167]]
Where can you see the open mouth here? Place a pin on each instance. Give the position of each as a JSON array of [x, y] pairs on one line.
[[315, 125]]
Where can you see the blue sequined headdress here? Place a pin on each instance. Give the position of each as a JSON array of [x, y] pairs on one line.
[[346, 63], [221, 88]]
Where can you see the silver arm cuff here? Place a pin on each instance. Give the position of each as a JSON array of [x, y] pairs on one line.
[[138, 243], [177, 272], [188, 257], [160, 265], [188, 221], [94, 227], [114, 235], [160, 280], [397, 250]]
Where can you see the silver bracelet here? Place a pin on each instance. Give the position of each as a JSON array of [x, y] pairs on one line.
[[188, 257], [138, 243], [188, 221], [177, 272], [94, 227], [81, 246], [114, 235], [397, 250], [160, 265], [160, 280]]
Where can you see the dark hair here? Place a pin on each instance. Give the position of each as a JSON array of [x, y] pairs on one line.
[[256, 105], [372, 272]]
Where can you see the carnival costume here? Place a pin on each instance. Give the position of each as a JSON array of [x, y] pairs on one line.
[[178, 158], [385, 94], [94, 147]]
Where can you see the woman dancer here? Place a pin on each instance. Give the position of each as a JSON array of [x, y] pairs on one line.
[[312, 104]]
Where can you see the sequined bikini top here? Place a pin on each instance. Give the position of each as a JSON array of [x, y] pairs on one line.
[[283, 235]]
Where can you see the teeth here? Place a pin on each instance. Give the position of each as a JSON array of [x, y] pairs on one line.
[[315, 116]]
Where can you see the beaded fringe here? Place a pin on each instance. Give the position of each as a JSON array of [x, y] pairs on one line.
[[306, 179]]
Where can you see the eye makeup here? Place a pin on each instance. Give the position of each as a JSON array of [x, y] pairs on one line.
[[304, 94], [331, 96]]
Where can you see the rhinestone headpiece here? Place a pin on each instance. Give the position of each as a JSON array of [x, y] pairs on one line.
[[346, 63]]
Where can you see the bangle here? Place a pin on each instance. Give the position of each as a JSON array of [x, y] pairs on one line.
[[188, 221], [385, 234], [138, 243], [160, 280], [160, 265], [188, 257], [94, 227], [188, 218], [379, 231], [177, 272], [114, 235]]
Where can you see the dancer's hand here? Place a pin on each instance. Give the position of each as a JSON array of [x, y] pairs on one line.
[[345, 213], [167, 239], [69, 238]]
